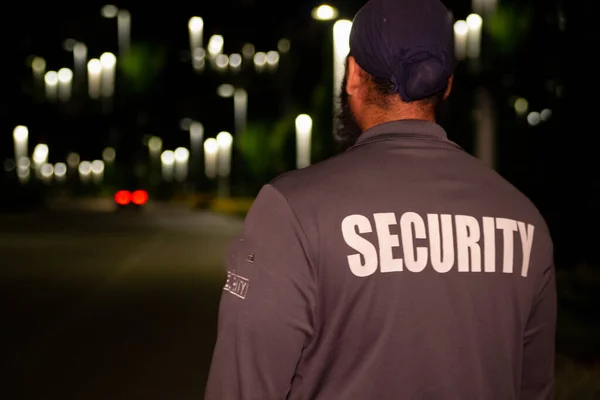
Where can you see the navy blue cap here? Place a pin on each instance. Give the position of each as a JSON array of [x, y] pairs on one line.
[[409, 42]]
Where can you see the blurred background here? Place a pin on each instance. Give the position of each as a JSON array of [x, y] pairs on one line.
[[134, 135]]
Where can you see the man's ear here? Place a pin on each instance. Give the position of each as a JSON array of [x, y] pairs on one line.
[[353, 83], [449, 88]]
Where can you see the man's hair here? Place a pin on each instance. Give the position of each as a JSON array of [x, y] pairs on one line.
[[381, 92]]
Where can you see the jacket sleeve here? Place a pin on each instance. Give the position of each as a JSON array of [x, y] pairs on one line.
[[539, 343], [267, 305]]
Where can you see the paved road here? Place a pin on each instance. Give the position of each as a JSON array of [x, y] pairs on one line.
[[110, 306]]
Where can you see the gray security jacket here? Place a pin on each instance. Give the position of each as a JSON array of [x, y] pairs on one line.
[[401, 269]]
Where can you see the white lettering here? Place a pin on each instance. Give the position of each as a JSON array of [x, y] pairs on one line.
[[441, 244], [467, 238], [414, 263], [509, 227], [526, 233], [489, 244], [463, 242], [387, 242], [350, 225]]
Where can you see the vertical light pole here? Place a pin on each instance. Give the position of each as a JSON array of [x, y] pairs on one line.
[[240, 106], [38, 67], [167, 159], [51, 83], [303, 140], [196, 32], [474, 24], [65, 84], [108, 62], [85, 171], [196, 142], [240, 109], [341, 48], [124, 31], [211, 150], [215, 47], [40, 157], [94, 69], [21, 139], [80, 55], [182, 158], [461, 30], [97, 169], [225, 142]]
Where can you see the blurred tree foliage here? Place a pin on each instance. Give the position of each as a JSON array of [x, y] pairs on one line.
[[142, 65], [321, 110], [508, 26], [263, 148]]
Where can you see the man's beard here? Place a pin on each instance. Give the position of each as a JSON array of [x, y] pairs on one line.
[[346, 131]]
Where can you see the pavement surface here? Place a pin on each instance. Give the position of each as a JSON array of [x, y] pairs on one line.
[[103, 305]]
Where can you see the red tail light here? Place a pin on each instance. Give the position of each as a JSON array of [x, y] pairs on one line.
[[139, 197], [123, 197]]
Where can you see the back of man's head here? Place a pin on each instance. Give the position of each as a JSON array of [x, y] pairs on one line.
[[404, 48]]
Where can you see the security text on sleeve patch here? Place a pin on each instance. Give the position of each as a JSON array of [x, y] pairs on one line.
[[237, 285]]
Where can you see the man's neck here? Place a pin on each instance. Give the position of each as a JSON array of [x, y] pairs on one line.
[[378, 116]]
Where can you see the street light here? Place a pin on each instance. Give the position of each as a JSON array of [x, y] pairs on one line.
[[240, 105], [521, 106], [235, 62], [124, 30], [94, 67], [196, 139], [109, 11], [65, 84], [240, 109], [273, 60], [80, 54], [284, 46], [40, 155], [248, 51], [225, 90], [60, 171], [167, 159], [324, 12], [474, 23], [23, 169], [222, 62], [196, 31], [260, 61], [199, 59], [211, 150], [51, 81], [182, 157], [155, 145], [46, 172], [108, 62], [484, 7], [20, 138], [461, 30], [341, 48], [73, 160], [85, 171], [38, 66], [109, 154], [303, 140], [215, 46], [225, 141]]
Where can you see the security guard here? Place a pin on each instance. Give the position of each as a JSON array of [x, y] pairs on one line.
[[402, 268]]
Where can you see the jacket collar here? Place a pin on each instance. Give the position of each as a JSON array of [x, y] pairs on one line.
[[419, 128]]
